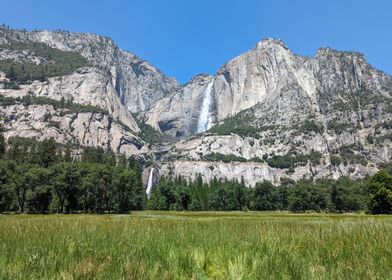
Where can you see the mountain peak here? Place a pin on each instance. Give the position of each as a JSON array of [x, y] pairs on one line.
[[270, 42], [272, 110]]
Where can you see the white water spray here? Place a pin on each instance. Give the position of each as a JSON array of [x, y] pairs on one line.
[[205, 119], [149, 184]]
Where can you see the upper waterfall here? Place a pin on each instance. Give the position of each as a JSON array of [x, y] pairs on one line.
[[205, 119]]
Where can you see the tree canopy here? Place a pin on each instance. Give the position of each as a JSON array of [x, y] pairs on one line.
[[41, 177]]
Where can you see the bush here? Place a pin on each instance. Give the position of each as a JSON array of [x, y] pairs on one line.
[[291, 160], [338, 127], [224, 158], [7, 101], [10, 85], [348, 156], [312, 126], [387, 125], [147, 132], [239, 124], [335, 160]]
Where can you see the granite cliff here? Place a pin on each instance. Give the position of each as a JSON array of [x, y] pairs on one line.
[[266, 114]]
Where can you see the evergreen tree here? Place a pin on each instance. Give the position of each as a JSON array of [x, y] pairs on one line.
[[380, 188], [67, 157], [47, 152], [38, 195], [7, 173], [11, 74], [265, 197], [2, 143]]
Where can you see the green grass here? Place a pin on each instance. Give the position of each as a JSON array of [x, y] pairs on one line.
[[180, 245]]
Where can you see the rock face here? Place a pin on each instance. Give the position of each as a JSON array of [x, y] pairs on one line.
[[178, 115], [137, 83], [253, 172], [272, 75], [85, 129], [325, 116], [266, 114], [116, 81]]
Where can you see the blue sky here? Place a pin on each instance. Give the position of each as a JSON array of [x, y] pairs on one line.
[[186, 37]]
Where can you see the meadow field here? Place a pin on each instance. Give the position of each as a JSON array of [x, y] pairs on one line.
[[201, 245]]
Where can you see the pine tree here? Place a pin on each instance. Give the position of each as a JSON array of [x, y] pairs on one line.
[[67, 157], [2, 143], [11, 74], [47, 152]]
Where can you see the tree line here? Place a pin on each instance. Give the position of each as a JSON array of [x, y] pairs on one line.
[[42, 177], [373, 195]]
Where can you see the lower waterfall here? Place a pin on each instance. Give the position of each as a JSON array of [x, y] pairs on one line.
[[149, 184]]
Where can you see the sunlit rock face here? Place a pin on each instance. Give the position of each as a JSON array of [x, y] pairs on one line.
[[137, 83], [270, 72], [334, 105], [331, 112], [252, 172], [114, 80], [269, 76], [187, 112]]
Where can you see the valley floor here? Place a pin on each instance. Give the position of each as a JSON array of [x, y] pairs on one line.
[[201, 245]]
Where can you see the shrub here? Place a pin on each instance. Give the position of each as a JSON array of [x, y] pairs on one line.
[[224, 158], [291, 160], [7, 101], [348, 156], [335, 160], [312, 126], [147, 132], [239, 124], [10, 85], [338, 127]]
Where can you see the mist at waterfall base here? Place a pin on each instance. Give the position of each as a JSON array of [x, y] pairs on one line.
[[205, 119], [149, 184]]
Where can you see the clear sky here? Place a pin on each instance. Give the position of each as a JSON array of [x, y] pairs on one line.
[[187, 37]]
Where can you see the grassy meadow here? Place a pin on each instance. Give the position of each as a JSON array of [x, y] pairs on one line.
[[183, 245]]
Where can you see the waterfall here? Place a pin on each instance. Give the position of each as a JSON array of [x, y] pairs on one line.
[[205, 119], [149, 185]]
